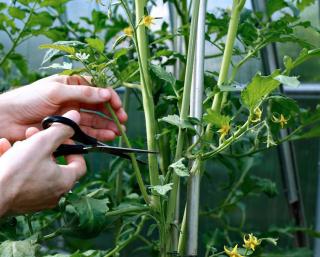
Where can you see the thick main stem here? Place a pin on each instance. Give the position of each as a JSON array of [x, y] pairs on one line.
[[148, 104], [227, 56], [181, 135]]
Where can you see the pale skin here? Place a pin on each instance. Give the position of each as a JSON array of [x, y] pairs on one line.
[[30, 179]]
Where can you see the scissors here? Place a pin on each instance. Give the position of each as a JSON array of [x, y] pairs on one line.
[[87, 143]]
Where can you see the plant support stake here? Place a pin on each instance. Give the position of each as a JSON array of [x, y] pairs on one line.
[[196, 111], [171, 209]]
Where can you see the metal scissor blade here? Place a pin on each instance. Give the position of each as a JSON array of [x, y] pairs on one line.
[[109, 149]]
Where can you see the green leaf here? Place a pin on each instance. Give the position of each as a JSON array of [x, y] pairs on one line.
[[73, 71], [63, 66], [20, 63], [41, 19], [267, 186], [305, 55], [302, 4], [55, 50], [285, 105], [176, 121], [258, 89], [86, 215], [17, 13], [120, 52], [275, 5], [288, 81], [23, 248], [180, 169], [2, 6], [53, 3], [216, 119], [63, 48], [162, 189], [96, 43], [163, 74]]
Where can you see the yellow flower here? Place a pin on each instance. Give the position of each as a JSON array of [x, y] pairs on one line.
[[251, 242], [128, 31], [256, 115], [148, 21], [224, 130], [282, 120], [233, 252]]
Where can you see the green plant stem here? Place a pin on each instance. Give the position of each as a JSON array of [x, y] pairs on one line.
[[226, 60], [123, 244], [243, 129], [120, 173], [135, 165], [244, 60], [147, 97], [18, 38], [171, 209], [128, 210]]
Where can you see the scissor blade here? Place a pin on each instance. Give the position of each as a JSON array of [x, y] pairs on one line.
[[114, 149], [110, 150]]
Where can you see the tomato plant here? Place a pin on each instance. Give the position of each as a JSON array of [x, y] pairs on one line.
[[133, 202]]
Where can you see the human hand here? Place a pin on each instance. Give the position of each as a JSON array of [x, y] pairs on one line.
[[27, 106], [30, 179]]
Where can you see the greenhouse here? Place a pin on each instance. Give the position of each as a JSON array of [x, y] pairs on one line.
[[159, 128]]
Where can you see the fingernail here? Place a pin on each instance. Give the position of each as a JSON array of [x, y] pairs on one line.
[[105, 94], [124, 114]]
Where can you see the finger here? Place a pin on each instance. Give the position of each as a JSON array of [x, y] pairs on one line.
[[58, 133], [71, 80], [31, 131], [78, 80], [4, 145], [100, 134], [82, 94], [73, 171], [122, 115], [115, 100], [95, 121]]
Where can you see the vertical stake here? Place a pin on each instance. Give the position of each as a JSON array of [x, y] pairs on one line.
[[193, 194]]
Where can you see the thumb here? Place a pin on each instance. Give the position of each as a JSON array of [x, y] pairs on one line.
[[58, 133], [4, 145]]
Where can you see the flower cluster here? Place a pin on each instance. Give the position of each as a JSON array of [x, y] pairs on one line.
[[250, 243]]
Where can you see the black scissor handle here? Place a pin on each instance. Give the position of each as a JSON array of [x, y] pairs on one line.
[[64, 150], [78, 136]]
